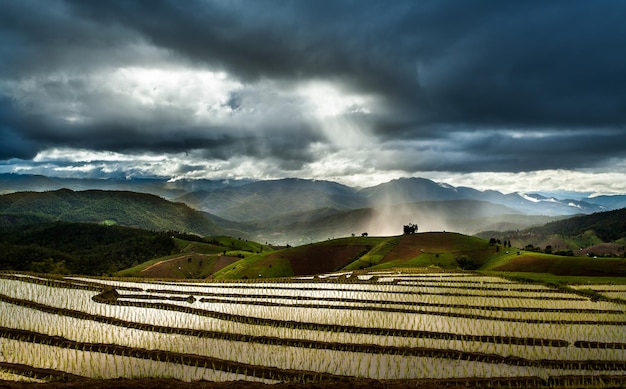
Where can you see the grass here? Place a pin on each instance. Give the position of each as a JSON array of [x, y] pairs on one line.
[[534, 262], [240, 244], [256, 266], [547, 278], [198, 247], [198, 259], [135, 270], [375, 255]]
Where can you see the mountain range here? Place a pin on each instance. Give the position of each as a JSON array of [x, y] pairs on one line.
[[288, 210]]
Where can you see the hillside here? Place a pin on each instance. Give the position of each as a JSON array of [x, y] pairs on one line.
[[315, 258], [608, 226], [602, 233], [79, 248], [196, 258], [130, 209], [94, 249], [540, 263], [432, 249]]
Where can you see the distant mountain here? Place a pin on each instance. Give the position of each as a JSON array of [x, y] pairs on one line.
[[131, 209], [469, 216], [258, 207], [609, 202], [406, 190], [556, 205], [266, 199], [168, 189]]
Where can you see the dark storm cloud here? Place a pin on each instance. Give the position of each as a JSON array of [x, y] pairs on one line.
[[533, 64], [12, 142], [530, 63], [276, 39], [460, 75]]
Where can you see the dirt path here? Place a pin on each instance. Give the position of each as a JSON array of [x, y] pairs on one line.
[[165, 261]]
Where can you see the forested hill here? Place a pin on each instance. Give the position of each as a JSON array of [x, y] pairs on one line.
[[79, 248], [130, 209], [608, 226]]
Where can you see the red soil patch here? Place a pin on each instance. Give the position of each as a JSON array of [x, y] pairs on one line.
[[411, 246], [223, 261], [320, 258], [602, 249], [160, 263], [408, 247]]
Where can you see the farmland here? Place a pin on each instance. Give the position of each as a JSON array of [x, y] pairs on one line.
[[386, 325]]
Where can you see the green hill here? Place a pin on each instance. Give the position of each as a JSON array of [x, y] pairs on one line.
[[432, 249], [541, 263], [443, 250], [607, 226], [79, 248], [602, 233], [130, 209], [93, 249], [196, 258]]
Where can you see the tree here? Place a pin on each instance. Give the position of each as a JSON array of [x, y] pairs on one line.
[[410, 229]]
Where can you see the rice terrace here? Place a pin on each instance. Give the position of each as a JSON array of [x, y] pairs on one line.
[[377, 327]]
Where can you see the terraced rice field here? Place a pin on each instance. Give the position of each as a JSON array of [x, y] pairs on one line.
[[459, 327], [607, 290]]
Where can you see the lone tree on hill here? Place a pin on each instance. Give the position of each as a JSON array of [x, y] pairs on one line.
[[410, 229]]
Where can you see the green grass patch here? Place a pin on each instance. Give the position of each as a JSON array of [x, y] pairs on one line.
[[136, 270], [187, 246], [586, 239], [547, 278], [533, 262], [194, 266], [230, 243], [375, 255], [256, 266]]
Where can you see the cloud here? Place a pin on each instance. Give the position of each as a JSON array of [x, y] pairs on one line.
[[345, 88]]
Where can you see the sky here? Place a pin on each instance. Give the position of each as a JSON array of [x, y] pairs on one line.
[[505, 95]]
